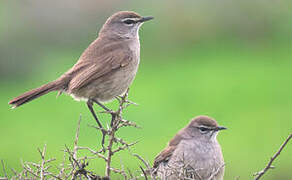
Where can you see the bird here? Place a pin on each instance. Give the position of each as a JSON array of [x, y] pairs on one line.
[[104, 70], [193, 153]]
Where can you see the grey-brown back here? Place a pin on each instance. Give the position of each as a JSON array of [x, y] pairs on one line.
[[105, 69]]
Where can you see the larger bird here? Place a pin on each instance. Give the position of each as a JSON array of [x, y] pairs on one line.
[[105, 69]]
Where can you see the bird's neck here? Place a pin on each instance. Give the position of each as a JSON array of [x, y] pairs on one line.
[[119, 37]]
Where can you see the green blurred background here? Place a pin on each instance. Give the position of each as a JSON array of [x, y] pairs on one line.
[[227, 59]]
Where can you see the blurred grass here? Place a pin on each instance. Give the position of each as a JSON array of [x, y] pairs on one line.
[[247, 90]]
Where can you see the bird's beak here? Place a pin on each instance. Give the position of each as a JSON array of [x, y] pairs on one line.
[[219, 128], [147, 18]]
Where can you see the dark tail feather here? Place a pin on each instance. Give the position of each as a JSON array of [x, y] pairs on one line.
[[35, 93]]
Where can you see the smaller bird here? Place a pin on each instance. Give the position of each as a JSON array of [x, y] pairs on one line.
[[193, 153]]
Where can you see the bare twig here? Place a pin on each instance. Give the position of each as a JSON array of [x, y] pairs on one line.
[[116, 123], [142, 160], [269, 165], [149, 169], [74, 166], [94, 152], [106, 132], [119, 171], [3, 166], [144, 173], [42, 166], [75, 148], [128, 123], [130, 173], [28, 169], [14, 172], [216, 172], [109, 157], [125, 146]]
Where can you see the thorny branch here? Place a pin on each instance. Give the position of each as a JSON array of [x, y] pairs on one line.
[[39, 170], [269, 165], [75, 167], [107, 152], [149, 169], [116, 123], [4, 170]]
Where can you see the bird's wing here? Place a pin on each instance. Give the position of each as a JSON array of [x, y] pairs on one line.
[[166, 154], [98, 65]]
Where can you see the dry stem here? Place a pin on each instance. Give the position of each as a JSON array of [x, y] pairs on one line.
[[269, 165]]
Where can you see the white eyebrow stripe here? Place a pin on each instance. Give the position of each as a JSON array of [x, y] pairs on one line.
[[134, 19], [207, 127], [204, 126]]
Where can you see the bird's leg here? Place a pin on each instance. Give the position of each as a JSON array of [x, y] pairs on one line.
[[113, 119], [119, 98], [90, 104], [103, 106], [124, 98], [113, 114]]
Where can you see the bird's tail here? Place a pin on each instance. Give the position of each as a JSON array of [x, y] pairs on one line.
[[35, 93]]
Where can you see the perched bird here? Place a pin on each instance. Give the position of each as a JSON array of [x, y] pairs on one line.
[[105, 69], [193, 153]]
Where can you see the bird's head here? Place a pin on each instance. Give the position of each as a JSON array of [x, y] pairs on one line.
[[123, 24], [204, 127]]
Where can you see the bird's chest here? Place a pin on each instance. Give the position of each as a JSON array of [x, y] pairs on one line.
[[134, 47], [204, 159], [119, 80], [126, 74], [197, 155]]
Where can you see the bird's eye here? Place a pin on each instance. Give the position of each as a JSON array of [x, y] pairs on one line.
[[129, 21], [203, 129]]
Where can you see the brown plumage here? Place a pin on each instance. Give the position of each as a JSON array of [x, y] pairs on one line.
[[165, 154], [105, 69], [35, 93], [197, 145]]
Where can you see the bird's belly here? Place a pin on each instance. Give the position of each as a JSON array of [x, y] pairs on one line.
[[108, 86], [201, 161]]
